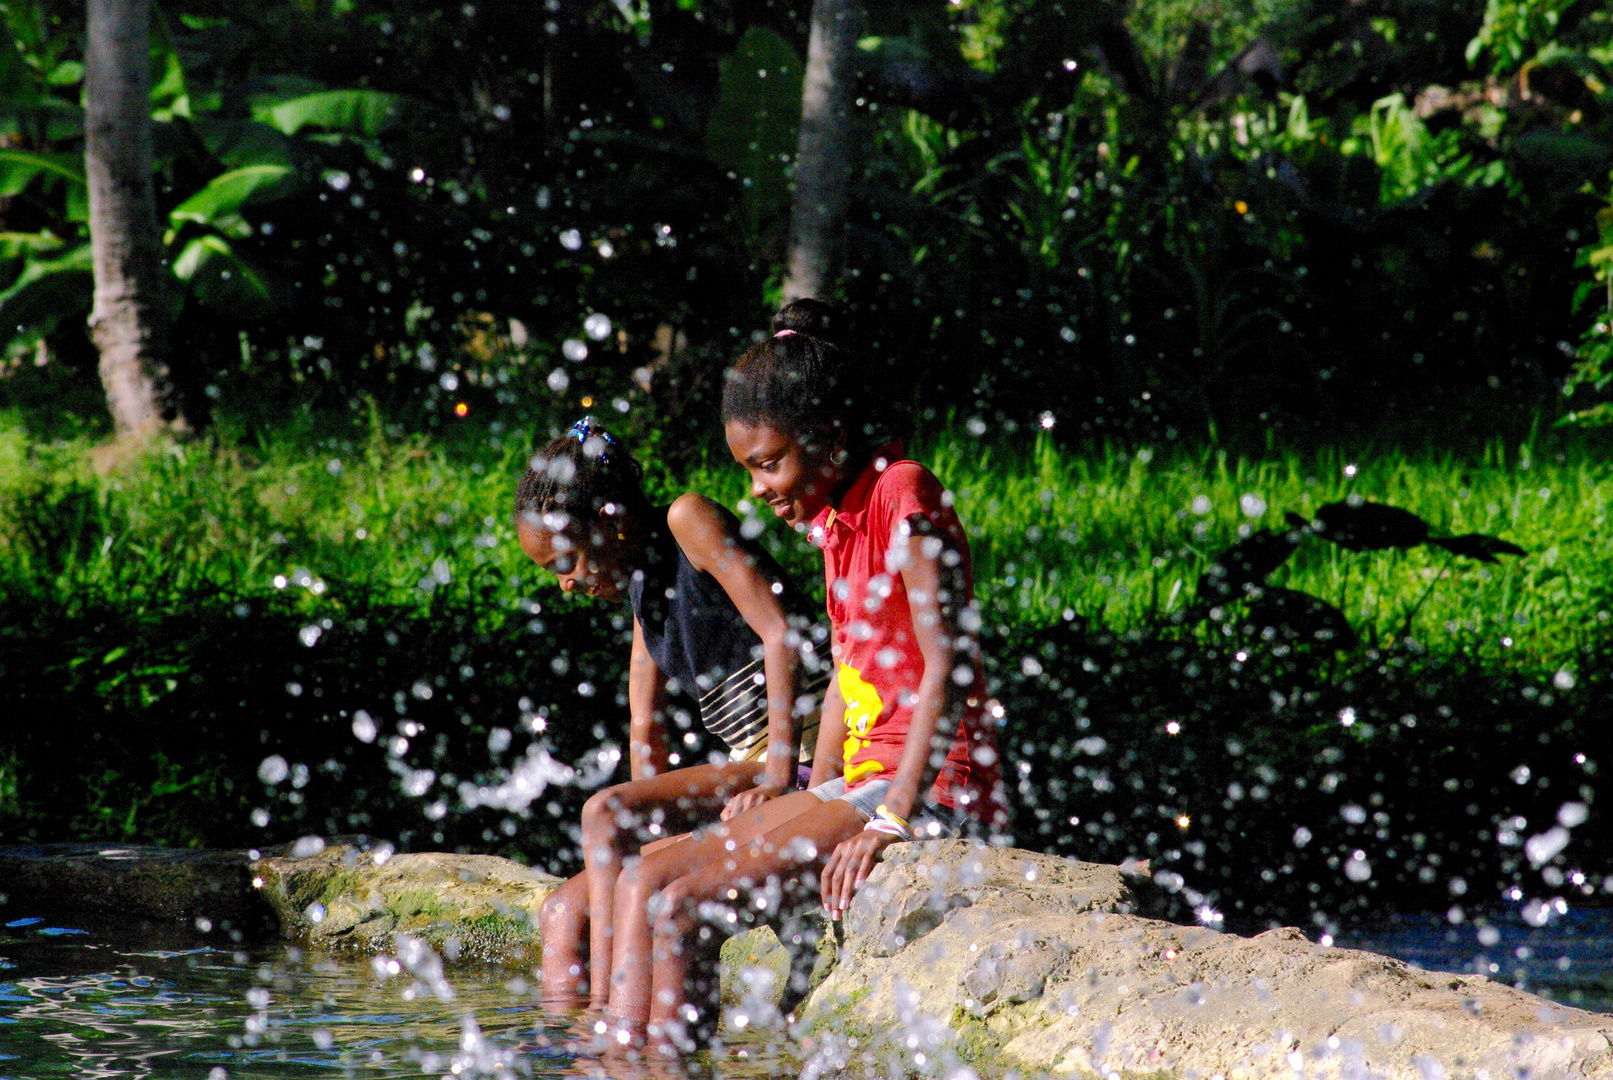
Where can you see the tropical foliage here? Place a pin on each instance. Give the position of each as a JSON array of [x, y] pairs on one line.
[[1168, 236], [1179, 213]]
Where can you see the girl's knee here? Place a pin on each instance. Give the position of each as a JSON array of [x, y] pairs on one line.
[[676, 907], [600, 817], [634, 887], [566, 906]]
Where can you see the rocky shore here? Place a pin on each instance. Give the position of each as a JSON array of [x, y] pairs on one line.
[[952, 954]]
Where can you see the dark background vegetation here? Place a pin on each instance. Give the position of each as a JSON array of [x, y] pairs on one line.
[[1293, 221]]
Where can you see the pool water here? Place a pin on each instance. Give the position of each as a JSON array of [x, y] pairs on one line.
[[80, 1001]]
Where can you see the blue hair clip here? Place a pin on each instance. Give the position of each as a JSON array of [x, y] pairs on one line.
[[584, 429]]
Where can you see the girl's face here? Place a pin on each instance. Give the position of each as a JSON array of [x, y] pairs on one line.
[[597, 569], [792, 477]]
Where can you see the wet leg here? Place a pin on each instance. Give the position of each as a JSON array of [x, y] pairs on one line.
[[785, 858], [563, 922], [616, 820]]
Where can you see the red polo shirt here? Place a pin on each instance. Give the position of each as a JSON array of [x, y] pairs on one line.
[[880, 664]]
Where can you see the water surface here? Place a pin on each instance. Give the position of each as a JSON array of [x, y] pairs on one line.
[[81, 1001]]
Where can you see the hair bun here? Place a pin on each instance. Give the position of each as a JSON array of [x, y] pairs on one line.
[[820, 318]]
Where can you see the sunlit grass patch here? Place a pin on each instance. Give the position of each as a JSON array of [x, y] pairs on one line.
[[1117, 536], [1121, 536], [391, 514]]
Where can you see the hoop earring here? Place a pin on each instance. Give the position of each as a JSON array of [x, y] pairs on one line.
[[837, 457]]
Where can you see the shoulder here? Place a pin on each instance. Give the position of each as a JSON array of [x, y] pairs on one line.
[[702, 528], [907, 487]]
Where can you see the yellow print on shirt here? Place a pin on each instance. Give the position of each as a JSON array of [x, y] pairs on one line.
[[863, 707]]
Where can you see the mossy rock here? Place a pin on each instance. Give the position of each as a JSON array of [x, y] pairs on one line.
[[466, 907], [757, 964], [485, 909]]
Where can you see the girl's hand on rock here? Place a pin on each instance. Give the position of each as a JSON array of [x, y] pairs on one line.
[[848, 867], [749, 799]]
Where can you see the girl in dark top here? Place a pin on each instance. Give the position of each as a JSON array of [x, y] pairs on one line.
[[713, 617]]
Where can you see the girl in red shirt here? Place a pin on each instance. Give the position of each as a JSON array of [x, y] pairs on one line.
[[918, 755]]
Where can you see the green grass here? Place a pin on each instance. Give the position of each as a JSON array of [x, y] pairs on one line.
[[1120, 537], [1116, 536], [399, 516]]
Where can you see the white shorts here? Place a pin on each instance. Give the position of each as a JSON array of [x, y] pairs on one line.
[[931, 822]]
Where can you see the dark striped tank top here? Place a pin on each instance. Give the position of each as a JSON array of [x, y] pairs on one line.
[[706, 649]]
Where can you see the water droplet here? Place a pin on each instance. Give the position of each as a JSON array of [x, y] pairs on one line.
[[1546, 846], [307, 847]]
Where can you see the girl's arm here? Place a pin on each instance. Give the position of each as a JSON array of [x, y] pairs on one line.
[[936, 597], [646, 701], [709, 537], [827, 755]]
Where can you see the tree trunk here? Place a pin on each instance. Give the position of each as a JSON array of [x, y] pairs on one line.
[[129, 320], [823, 154]]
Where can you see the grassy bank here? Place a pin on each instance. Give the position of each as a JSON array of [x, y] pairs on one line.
[[333, 631], [1118, 537]]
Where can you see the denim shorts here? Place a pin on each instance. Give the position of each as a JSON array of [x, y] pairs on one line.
[[931, 822]]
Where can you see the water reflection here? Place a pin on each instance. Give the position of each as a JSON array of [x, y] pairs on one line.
[[163, 1003]]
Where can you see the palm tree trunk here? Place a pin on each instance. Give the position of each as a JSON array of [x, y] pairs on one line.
[[823, 154], [129, 318]]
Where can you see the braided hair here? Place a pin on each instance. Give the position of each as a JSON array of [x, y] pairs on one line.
[[574, 477]]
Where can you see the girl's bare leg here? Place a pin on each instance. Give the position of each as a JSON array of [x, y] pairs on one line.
[[714, 848], [785, 857], [563, 922], [614, 821]]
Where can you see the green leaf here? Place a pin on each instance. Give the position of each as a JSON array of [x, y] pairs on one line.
[[226, 193], [365, 113], [221, 279], [753, 130], [47, 292], [16, 244], [1369, 526], [67, 73], [19, 168], [240, 143], [1598, 415]]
